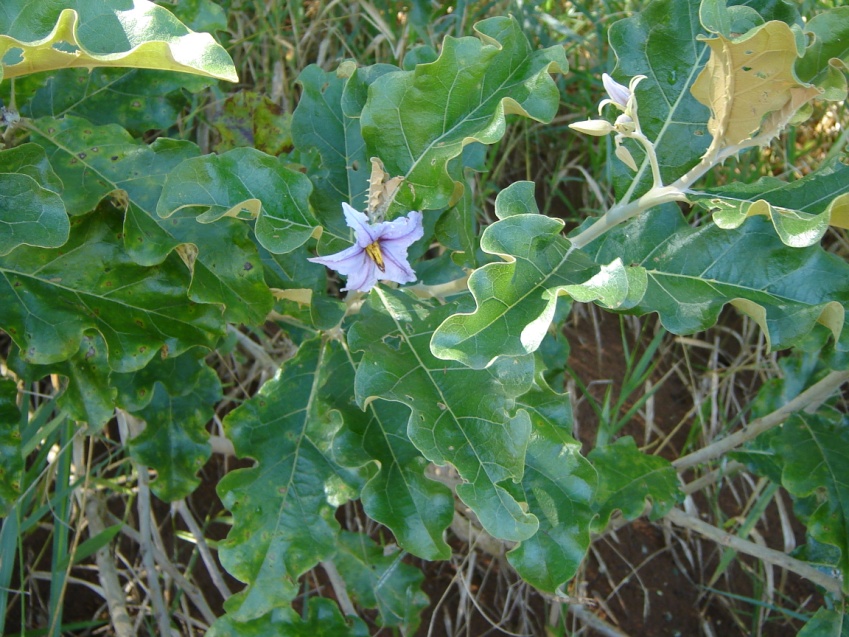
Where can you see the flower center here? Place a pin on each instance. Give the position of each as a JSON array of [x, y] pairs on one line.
[[373, 250]]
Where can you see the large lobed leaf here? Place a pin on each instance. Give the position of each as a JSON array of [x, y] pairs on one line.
[[418, 121], [31, 210], [559, 486], [694, 272], [283, 507], [11, 455], [801, 211], [478, 431], [516, 299], [628, 478], [49, 298], [415, 508], [43, 36], [174, 441], [105, 161]]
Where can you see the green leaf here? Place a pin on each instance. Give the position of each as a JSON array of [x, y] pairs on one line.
[[180, 375], [87, 396], [90, 33], [801, 211], [381, 581], [826, 60], [560, 487], [31, 211], [826, 623], [49, 298], [283, 507], [816, 453], [30, 215], [11, 457], [660, 43], [135, 99], [478, 432], [418, 121], [628, 478], [694, 272], [415, 508], [105, 161], [174, 441], [516, 299], [327, 122], [321, 619], [244, 181]]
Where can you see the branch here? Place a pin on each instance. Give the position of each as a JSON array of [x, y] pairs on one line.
[[809, 400], [771, 556]]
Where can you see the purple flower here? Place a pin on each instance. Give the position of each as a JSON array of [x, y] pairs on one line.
[[379, 251]]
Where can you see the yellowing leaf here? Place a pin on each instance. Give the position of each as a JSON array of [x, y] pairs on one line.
[[749, 84], [156, 40]]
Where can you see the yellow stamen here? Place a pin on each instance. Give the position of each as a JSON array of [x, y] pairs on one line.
[[373, 250]]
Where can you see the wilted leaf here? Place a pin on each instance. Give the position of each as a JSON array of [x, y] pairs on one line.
[[253, 120], [747, 79]]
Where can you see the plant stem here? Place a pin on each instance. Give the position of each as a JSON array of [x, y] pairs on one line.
[[812, 397], [770, 556]]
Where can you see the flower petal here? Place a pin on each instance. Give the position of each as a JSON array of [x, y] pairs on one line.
[[345, 262], [358, 222], [619, 94], [407, 229], [364, 278]]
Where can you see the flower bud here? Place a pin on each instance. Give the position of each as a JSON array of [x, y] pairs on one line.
[[595, 127]]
